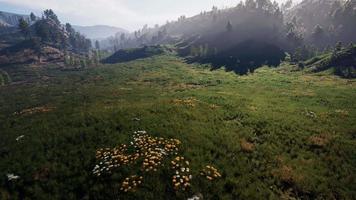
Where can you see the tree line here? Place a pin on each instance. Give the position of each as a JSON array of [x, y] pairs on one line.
[[49, 30]]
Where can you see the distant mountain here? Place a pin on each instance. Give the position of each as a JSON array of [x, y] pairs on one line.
[[99, 31], [11, 19]]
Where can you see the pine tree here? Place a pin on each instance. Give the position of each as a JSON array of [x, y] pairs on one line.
[[67, 60], [98, 57], [338, 46], [24, 27], [71, 60], [97, 45], [83, 63], [32, 17], [193, 51], [318, 34], [229, 26], [49, 14]]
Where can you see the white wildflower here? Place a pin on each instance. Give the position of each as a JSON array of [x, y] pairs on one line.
[[11, 177], [20, 137]]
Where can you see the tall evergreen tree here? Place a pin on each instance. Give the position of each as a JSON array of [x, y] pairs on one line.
[[49, 14], [32, 17], [24, 27], [338, 46], [318, 35], [229, 26], [97, 45]]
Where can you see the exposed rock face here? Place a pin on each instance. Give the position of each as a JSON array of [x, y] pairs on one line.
[[11, 19], [27, 55], [52, 54]]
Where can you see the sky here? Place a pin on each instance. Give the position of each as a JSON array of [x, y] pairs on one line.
[[127, 14]]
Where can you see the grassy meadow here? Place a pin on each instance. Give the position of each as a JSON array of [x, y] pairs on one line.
[[274, 134]]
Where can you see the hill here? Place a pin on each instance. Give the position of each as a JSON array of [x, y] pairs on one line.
[[322, 23], [312, 24], [135, 53], [9, 24], [341, 62], [45, 39], [243, 58], [30, 51]]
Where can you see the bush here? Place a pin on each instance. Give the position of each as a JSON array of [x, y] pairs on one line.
[[301, 65]]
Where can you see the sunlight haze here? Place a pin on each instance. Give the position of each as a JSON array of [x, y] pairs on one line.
[[127, 14], [177, 99]]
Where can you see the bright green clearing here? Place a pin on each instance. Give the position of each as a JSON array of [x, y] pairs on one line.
[[275, 134]]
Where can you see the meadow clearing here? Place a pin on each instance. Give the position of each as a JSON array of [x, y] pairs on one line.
[[273, 134]]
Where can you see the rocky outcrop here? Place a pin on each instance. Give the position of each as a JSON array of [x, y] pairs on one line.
[[11, 19], [28, 55]]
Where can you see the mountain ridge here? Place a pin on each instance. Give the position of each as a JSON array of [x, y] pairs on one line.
[[99, 31], [8, 19]]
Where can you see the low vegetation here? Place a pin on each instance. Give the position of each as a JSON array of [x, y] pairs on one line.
[[243, 58], [255, 101], [342, 62], [125, 55], [277, 133]]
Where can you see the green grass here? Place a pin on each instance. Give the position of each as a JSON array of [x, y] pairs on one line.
[[301, 126], [4, 78], [341, 62]]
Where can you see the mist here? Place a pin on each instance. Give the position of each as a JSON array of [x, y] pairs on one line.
[[177, 99], [127, 14]]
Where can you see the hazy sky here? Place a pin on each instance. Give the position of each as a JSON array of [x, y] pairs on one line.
[[128, 14]]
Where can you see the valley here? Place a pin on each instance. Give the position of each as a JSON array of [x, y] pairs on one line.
[[272, 134], [248, 100]]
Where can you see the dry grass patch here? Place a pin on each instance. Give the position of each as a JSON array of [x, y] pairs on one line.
[[39, 109], [213, 106], [342, 113], [287, 175], [252, 108], [320, 140], [185, 86], [4, 195], [246, 146], [42, 174], [303, 93], [190, 102]]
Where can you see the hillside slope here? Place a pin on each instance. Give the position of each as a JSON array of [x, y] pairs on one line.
[[45, 39], [341, 62], [135, 53]]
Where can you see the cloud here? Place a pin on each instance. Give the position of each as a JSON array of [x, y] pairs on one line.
[[129, 14], [83, 11]]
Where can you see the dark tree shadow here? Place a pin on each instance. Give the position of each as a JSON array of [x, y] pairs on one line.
[[244, 57], [125, 55]]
